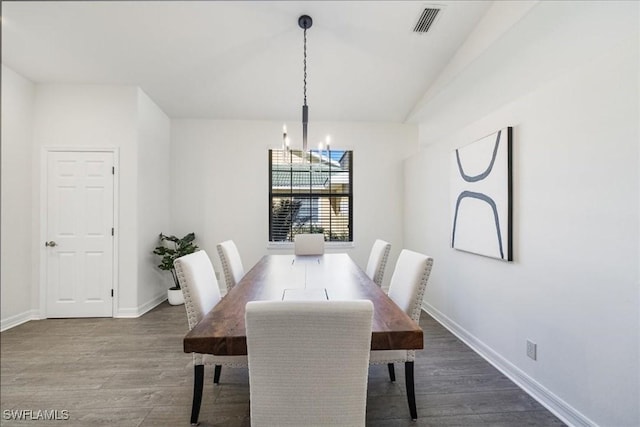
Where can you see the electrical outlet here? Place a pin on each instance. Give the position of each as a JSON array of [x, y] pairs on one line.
[[532, 350]]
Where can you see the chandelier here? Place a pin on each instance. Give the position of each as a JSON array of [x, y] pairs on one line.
[[305, 23]]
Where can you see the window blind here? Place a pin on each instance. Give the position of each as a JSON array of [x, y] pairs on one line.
[[310, 193]]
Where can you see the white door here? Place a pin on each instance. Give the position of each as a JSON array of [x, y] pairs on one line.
[[79, 230]]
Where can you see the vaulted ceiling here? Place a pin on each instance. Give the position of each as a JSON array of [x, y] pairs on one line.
[[243, 59]]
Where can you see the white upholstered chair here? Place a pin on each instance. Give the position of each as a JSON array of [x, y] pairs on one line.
[[231, 263], [378, 261], [309, 244], [308, 362], [201, 293], [406, 289]]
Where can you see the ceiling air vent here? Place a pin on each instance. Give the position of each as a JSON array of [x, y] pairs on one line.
[[426, 20]]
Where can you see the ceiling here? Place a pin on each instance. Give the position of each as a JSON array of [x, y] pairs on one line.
[[242, 59]]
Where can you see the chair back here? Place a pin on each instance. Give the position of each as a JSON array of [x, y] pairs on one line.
[[308, 362], [231, 263], [409, 281], [378, 261], [199, 285], [309, 244]]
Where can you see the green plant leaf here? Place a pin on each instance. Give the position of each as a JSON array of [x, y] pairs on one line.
[[182, 246]]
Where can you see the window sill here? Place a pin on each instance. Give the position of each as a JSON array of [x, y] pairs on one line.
[[328, 245]]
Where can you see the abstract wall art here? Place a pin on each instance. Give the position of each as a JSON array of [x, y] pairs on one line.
[[481, 196]]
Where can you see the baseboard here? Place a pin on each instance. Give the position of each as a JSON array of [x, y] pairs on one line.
[[142, 309], [153, 303], [18, 319], [544, 396]]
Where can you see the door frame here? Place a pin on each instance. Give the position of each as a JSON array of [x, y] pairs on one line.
[[43, 220]]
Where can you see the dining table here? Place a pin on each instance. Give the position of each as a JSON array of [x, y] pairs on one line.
[[331, 276]]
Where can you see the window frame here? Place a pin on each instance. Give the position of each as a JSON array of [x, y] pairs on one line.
[[310, 194]]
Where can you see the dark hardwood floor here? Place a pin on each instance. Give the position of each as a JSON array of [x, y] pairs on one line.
[[132, 372]]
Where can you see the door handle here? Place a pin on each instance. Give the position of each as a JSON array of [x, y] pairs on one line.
[[50, 244]]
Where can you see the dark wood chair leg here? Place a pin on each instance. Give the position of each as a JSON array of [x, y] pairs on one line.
[[198, 382], [411, 393], [392, 372], [216, 374]]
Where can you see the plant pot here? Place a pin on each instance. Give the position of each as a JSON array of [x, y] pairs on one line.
[[175, 296]]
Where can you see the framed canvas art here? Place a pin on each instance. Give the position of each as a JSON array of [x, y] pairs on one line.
[[481, 196]]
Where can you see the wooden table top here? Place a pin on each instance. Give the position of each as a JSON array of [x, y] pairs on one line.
[[222, 330]]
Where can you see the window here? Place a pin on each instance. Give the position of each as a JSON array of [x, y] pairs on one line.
[[310, 193]]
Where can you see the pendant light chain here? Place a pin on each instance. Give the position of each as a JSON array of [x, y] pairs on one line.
[[305, 66], [305, 22]]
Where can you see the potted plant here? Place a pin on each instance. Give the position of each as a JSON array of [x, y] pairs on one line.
[[168, 253]]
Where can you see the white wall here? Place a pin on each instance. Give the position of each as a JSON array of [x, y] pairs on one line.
[[18, 97], [153, 199], [573, 287], [93, 116], [220, 186]]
